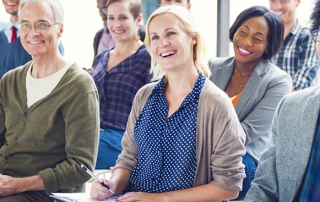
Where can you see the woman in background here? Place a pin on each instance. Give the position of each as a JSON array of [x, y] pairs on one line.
[[178, 145], [254, 85], [119, 73]]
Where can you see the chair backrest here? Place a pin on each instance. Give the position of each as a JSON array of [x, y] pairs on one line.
[[80, 189]]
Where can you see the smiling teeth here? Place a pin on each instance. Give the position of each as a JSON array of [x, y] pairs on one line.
[[243, 50], [35, 42], [167, 53], [11, 4]]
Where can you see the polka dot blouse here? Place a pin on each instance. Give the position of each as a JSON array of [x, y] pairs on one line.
[[166, 147]]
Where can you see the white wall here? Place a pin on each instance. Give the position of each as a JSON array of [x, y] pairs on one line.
[[82, 20], [204, 12]]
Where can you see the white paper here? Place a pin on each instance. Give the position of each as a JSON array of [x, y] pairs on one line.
[[85, 197]]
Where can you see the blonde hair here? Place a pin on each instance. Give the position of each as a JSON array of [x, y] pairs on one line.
[[188, 26]]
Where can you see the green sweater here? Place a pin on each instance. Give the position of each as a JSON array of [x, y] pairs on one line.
[[54, 135]]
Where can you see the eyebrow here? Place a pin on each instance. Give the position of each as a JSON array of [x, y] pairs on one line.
[[166, 30], [41, 20], [257, 32]]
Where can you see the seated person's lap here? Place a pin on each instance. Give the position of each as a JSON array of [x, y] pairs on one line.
[[250, 169], [30, 196], [109, 148]]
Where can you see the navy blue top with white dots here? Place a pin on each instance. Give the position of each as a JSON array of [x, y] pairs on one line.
[[166, 147]]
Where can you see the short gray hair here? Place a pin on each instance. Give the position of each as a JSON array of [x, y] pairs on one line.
[[56, 7]]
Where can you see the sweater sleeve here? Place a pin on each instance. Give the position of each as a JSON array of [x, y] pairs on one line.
[[81, 117], [221, 139]]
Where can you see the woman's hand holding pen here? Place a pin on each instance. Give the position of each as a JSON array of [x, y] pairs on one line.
[[99, 192]]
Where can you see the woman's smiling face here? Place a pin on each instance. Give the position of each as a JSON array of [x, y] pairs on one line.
[[171, 46], [251, 39]]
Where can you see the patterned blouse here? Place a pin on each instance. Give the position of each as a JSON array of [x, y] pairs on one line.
[[166, 146]]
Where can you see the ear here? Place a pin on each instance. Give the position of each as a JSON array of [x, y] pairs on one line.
[[61, 26], [297, 2], [189, 7], [194, 39], [139, 20]]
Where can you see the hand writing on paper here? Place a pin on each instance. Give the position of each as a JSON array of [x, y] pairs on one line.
[[99, 192]]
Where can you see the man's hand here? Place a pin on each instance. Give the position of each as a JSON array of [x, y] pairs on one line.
[[8, 185], [11, 185]]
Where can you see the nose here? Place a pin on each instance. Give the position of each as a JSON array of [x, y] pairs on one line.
[[275, 5], [164, 43], [117, 23], [247, 41], [34, 31]]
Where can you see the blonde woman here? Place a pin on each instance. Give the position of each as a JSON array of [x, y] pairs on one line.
[[183, 140]]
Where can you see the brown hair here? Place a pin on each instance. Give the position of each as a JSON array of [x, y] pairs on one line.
[[135, 6]]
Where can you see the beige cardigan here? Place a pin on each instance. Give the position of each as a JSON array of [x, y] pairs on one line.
[[220, 138]]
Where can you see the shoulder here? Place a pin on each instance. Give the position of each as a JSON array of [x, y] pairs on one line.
[[101, 56], [143, 51], [99, 33], [212, 95], [145, 91], [302, 34], [294, 104], [17, 73], [299, 97], [142, 56], [268, 76], [78, 78], [219, 60], [276, 72]]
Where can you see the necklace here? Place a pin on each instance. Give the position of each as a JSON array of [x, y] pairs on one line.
[[236, 85], [239, 86]]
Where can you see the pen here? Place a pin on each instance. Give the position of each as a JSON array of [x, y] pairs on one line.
[[95, 177]]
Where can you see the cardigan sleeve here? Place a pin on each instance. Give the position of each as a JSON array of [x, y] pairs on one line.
[[220, 141], [81, 118]]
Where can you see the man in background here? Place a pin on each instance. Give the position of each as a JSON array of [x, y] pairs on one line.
[[298, 55], [12, 54], [184, 3], [148, 7], [102, 39]]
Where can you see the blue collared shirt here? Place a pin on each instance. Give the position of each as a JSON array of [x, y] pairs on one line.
[[166, 146], [298, 57]]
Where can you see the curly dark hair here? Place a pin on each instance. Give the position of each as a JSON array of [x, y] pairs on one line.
[[315, 16], [275, 24]]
